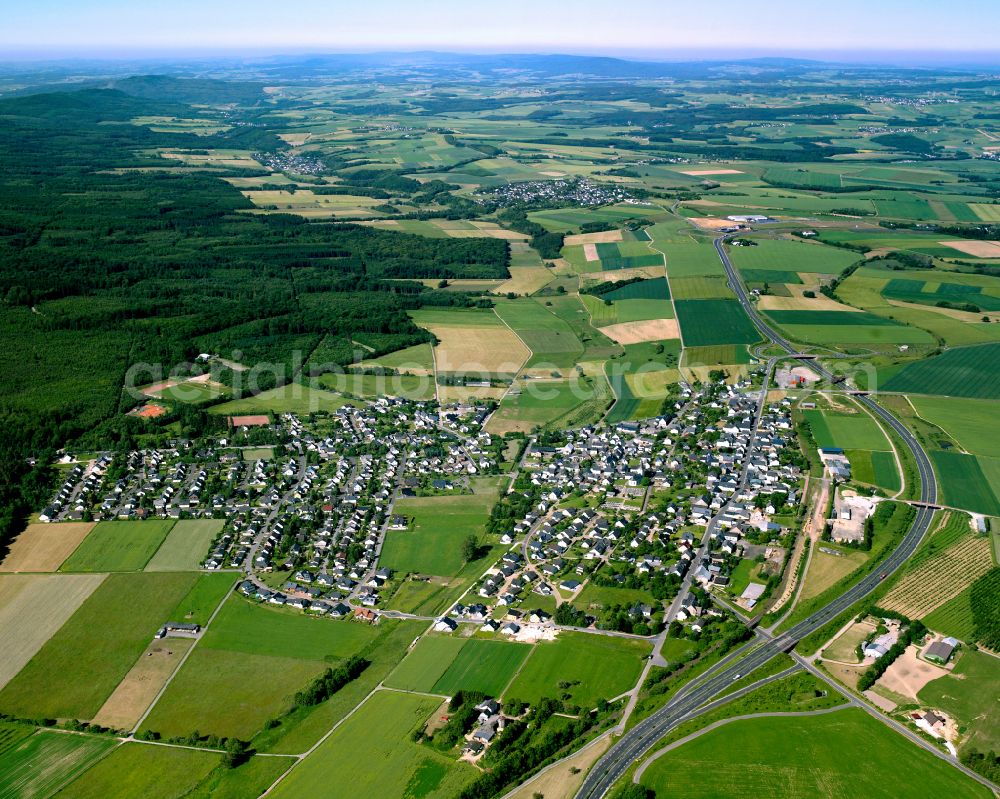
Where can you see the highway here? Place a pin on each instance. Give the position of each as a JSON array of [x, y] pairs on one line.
[[638, 741]]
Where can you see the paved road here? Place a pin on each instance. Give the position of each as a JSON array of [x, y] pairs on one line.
[[640, 739]]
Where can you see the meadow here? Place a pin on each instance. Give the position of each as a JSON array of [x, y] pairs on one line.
[[32, 608], [135, 769], [550, 339], [40, 764], [433, 545], [846, 431], [445, 665], [972, 423], [594, 667], [966, 372], [96, 647], [118, 546], [186, 545], [791, 256], [290, 398], [829, 756], [382, 728], [960, 694]]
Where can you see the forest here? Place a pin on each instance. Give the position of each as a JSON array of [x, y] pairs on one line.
[[111, 255]]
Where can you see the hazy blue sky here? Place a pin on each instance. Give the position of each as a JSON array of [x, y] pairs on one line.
[[649, 27]]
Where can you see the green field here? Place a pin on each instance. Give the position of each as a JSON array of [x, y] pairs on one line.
[[229, 693], [152, 772], [544, 402], [960, 694], [874, 468], [710, 322], [204, 597], [94, 650], [369, 386], [595, 666], [433, 545], [291, 398], [417, 357], [829, 756], [792, 256], [653, 289], [964, 484], [550, 339], [954, 617], [118, 546], [485, 666], [970, 372], [245, 626], [972, 423], [378, 735], [186, 546], [855, 431], [426, 662], [40, 764]]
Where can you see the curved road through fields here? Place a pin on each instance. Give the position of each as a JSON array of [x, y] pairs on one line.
[[643, 737]]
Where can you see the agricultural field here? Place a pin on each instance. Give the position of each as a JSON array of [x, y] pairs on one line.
[[551, 340], [846, 431], [433, 545], [135, 769], [445, 665], [539, 403], [118, 546], [186, 545], [711, 322], [95, 648], [877, 468], [944, 567], [43, 547], [476, 342], [966, 372], [595, 667], [847, 327], [382, 724], [830, 755], [370, 386], [40, 764], [33, 608], [791, 256], [970, 422], [968, 482], [290, 398]]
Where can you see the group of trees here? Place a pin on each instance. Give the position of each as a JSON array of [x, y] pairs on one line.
[[331, 681]]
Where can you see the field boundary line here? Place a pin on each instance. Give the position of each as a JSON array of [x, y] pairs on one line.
[[180, 664], [300, 757]]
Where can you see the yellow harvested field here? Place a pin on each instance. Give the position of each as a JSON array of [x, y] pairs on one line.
[[626, 274], [32, 608], [602, 237], [977, 249], [940, 578], [826, 569], [553, 174], [590, 252], [137, 690], [478, 349], [525, 280], [652, 383], [637, 332], [908, 674], [770, 302], [294, 139], [487, 230], [699, 172], [43, 547], [710, 222], [565, 777]]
